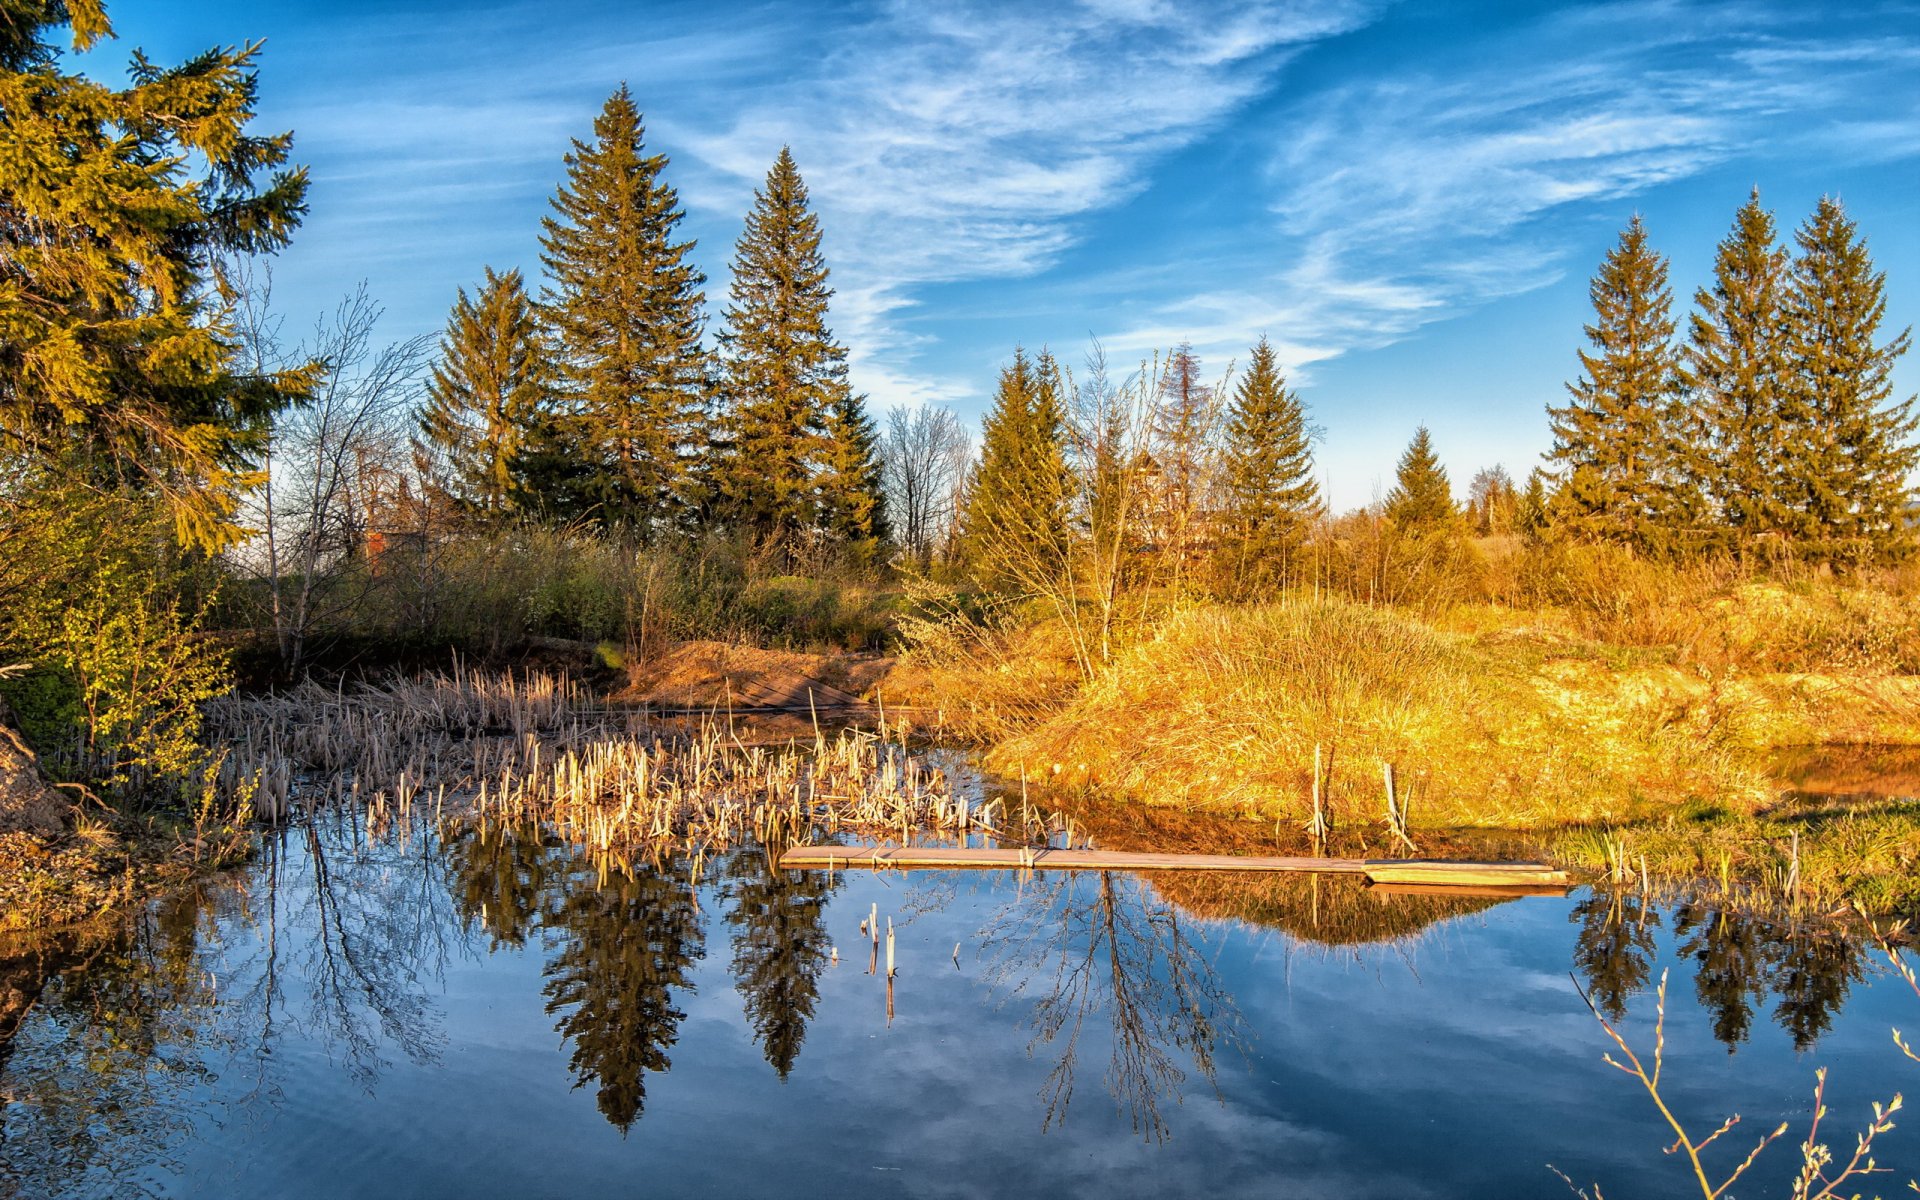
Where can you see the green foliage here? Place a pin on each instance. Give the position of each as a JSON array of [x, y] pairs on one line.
[[1267, 479], [116, 338], [785, 375], [853, 508], [1738, 452], [1847, 484], [625, 306], [1014, 529], [490, 385], [107, 615], [1614, 437], [1421, 501]]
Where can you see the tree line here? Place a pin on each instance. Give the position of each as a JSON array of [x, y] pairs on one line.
[[1771, 426], [599, 400], [1770, 430]]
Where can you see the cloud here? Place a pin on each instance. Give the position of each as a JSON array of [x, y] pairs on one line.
[[951, 143], [1410, 197]]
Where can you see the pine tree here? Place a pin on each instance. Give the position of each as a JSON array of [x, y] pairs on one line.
[[1616, 436], [1852, 448], [1422, 498], [851, 486], [117, 347], [1734, 365], [1533, 511], [1014, 529], [1267, 478], [488, 389], [625, 306], [785, 375]]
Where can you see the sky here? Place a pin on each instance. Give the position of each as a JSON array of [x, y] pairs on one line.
[[1407, 199]]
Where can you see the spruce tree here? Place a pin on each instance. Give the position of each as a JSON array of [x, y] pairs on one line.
[[1269, 496], [1852, 445], [488, 389], [625, 307], [117, 340], [1014, 528], [784, 373], [1533, 512], [1615, 438], [850, 491], [1734, 366], [1422, 497]]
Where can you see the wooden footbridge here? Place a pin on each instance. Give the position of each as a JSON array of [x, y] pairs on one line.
[[1398, 872]]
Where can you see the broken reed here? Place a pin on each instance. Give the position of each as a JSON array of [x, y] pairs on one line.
[[534, 748]]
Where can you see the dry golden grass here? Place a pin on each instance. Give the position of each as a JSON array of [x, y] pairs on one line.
[[1222, 709]]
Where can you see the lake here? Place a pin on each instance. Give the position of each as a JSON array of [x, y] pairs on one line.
[[361, 1016]]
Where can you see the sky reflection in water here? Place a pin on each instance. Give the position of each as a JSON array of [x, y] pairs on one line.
[[500, 1017]]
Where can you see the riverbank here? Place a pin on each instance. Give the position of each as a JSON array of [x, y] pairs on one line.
[[1492, 720]]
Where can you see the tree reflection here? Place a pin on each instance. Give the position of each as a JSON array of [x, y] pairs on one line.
[[1730, 973], [1615, 947], [501, 882], [122, 1028], [1812, 975], [1739, 960], [1093, 944], [110, 1055], [625, 944], [780, 948]]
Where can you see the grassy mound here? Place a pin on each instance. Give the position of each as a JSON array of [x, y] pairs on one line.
[[1222, 709]]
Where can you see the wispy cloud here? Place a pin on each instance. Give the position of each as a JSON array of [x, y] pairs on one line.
[[948, 143], [1400, 200]]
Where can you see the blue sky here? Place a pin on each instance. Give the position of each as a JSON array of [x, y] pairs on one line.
[[1407, 198]]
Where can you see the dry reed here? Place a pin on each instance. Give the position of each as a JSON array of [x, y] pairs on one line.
[[535, 748]]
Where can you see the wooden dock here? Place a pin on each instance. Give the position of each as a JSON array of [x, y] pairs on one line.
[[1410, 872]]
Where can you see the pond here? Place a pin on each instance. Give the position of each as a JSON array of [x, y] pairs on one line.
[[355, 1016]]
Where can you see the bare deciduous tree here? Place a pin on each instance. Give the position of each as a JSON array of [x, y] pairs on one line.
[[332, 463], [925, 454]]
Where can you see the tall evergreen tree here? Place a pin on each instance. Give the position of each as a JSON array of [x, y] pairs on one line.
[[117, 349], [1014, 529], [1849, 494], [1615, 437], [1734, 365], [851, 486], [784, 375], [1267, 477], [488, 389], [1422, 497], [625, 306]]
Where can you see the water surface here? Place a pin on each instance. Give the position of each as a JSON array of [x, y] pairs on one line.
[[501, 1017]]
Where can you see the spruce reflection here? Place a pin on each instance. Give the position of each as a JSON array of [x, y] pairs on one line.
[[1615, 948], [1093, 945], [623, 945], [780, 948], [1739, 960]]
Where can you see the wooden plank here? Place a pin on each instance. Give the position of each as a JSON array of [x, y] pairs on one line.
[[1469, 891], [1426, 872], [906, 857], [1438, 872]]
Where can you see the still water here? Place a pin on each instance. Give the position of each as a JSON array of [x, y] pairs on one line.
[[498, 1017]]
